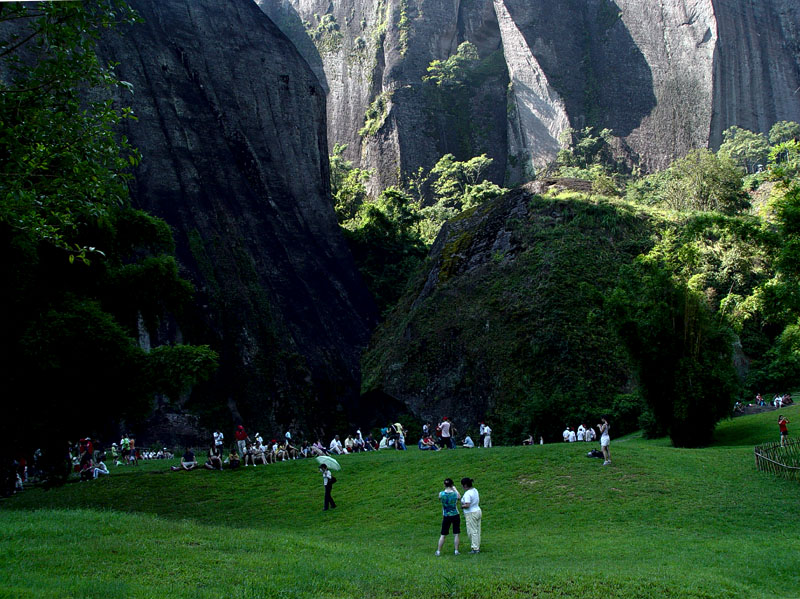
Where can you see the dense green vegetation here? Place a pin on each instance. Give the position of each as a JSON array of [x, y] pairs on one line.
[[634, 299], [391, 235], [658, 523], [84, 274]]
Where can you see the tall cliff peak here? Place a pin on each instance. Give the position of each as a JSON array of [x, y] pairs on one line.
[[664, 76], [232, 130]]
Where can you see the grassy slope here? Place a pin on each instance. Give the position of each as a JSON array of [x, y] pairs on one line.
[[660, 522]]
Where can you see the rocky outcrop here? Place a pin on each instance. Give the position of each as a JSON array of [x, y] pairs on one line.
[[507, 322], [231, 127], [664, 76]]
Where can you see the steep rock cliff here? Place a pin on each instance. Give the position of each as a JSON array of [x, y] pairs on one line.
[[664, 76], [231, 127], [375, 54]]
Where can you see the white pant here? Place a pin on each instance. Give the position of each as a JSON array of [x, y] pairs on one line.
[[487, 441], [474, 528], [242, 447]]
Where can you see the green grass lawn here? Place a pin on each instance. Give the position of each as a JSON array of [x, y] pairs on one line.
[[659, 522]]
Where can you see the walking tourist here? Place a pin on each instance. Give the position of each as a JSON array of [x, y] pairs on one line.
[[327, 480]]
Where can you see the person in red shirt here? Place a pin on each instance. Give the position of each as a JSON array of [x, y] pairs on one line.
[[782, 422], [241, 440]]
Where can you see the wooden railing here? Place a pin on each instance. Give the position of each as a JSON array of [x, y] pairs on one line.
[[780, 460]]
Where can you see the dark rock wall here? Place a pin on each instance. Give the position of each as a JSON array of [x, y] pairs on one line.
[[231, 127]]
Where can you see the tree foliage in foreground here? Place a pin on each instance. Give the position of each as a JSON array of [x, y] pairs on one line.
[[85, 274]]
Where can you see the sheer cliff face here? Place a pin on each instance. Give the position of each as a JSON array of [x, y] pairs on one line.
[[231, 127], [664, 76], [373, 55]]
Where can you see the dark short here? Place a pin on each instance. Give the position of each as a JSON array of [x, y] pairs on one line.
[[455, 521]]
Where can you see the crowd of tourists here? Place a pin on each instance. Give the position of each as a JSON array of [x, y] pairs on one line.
[[777, 402], [581, 433], [255, 451]]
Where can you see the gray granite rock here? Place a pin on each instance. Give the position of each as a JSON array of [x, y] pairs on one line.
[[665, 76], [231, 127]]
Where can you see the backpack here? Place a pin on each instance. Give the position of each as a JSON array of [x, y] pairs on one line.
[[594, 454]]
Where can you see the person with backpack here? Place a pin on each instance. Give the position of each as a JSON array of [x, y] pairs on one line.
[[327, 480]]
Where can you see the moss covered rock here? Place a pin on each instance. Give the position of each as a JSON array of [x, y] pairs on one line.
[[506, 321]]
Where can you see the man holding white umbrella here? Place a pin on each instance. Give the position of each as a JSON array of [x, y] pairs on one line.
[[326, 464]]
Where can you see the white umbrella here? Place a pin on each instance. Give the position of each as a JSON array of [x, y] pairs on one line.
[[328, 461]]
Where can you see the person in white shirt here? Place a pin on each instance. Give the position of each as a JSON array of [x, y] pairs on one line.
[[100, 468], [605, 440], [565, 434], [219, 438], [470, 502], [589, 435], [468, 442], [572, 436], [487, 436], [581, 432], [481, 431], [336, 446], [446, 438], [327, 482]]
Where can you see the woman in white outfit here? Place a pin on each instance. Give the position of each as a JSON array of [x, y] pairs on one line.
[[605, 440], [470, 503]]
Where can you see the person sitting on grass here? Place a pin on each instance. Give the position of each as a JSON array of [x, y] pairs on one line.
[[86, 467], [252, 451], [528, 440], [214, 461], [188, 461], [468, 442], [427, 443], [100, 468], [233, 460], [318, 449], [292, 453], [282, 454], [336, 446], [259, 455]]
